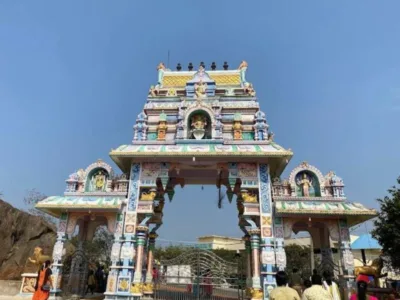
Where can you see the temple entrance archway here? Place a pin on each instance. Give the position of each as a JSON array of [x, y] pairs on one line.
[[239, 154]]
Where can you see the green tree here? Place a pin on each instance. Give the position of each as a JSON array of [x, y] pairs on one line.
[[298, 257], [169, 252], [97, 251], [387, 226]]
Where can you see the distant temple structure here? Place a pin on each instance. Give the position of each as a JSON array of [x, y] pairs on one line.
[[201, 127]]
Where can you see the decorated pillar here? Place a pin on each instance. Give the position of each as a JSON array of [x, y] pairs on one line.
[[347, 258], [327, 262], [248, 262], [57, 255], [280, 253], [141, 236], [117, 255], [256, 292], [148, 289], [123, 250]]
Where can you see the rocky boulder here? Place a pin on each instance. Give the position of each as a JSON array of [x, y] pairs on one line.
[[20, 233]]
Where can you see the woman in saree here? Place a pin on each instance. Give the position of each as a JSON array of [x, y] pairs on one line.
[[44, 282]]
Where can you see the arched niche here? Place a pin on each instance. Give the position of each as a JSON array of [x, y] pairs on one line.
[[97, 176], [96, 180], [201, 109], [196, 119], [315, 186], [313, 175]]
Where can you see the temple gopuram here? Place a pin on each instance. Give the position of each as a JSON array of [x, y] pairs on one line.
[[202, 127]]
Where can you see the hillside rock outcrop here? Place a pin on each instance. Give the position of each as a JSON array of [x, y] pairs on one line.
[[20, 233]]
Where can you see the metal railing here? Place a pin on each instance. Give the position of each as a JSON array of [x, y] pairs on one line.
[[198, 287]]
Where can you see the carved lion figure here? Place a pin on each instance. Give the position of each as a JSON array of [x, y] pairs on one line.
[[148, 196], [248, 197], [256, 294], [137, 288], [38, 258]]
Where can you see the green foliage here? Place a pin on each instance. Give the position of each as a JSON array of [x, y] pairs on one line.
[[387, 226], [97, 250], [298, 257], [167, 253]]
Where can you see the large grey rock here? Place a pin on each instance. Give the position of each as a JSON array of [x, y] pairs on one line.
[[20, 233]]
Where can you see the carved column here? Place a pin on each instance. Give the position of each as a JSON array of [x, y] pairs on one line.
[[279, 243], [255, 255], [248, 262], [117, 258], [347, 257], [150, 259], [57, 255], [123, 250], [141, 236], [267, 231], [327, 262]]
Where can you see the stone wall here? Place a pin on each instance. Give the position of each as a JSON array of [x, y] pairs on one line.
[[20, 233], [9, 287]]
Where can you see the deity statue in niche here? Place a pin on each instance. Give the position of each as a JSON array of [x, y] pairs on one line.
[[162, 131], [305, 183], [237, 130], [200, 90], [98, 181], [199, 122]]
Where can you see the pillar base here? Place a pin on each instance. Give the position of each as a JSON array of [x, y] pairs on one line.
[[256, 283]]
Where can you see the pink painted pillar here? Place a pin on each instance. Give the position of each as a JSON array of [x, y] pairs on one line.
[[255, 250], [150, 257], [141, 240]]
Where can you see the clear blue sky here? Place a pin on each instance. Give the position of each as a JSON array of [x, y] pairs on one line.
[[74, 75]]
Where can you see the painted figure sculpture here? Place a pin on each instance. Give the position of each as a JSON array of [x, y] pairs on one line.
[[200, 90], [248, 197], [150, 196], [38, 258], [162, 130], [237, 130], [305, 184], [198, 126], [243, 68], [161, 69]]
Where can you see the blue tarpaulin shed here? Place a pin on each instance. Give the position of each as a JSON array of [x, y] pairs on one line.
[[365, 242]]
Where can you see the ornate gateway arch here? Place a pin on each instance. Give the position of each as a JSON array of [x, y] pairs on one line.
[[202, 127]]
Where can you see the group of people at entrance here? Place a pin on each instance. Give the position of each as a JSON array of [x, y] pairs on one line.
[[318, 288]]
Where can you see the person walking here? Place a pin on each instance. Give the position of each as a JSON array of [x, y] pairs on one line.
[[283, 292], [44, 283], [331, 286], [316, 291]]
